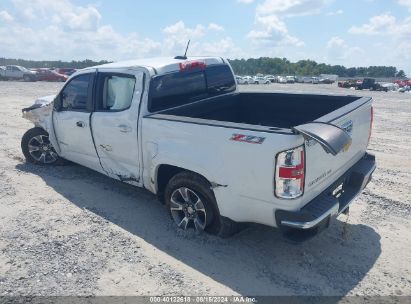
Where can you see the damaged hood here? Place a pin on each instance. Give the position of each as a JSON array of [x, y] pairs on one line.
[[45, 99], [41, 115], [40, 110], [39, 103]]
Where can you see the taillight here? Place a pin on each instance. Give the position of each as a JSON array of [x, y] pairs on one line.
[[289, 173], [371, 122]]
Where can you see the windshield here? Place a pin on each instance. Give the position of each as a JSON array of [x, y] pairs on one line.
[[179, 88]]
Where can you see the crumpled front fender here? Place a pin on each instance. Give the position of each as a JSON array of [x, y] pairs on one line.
[[41, 115]]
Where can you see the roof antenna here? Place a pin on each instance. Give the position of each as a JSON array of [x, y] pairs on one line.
[[185, 54]]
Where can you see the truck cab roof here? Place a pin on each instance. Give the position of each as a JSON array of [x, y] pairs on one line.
[[160, 65]]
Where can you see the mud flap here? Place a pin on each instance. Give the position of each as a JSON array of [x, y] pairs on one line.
[[332, 138]]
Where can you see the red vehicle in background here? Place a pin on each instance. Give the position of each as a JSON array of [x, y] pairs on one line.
[[403, 83], [50, 75], [66, 71], [350, 83]]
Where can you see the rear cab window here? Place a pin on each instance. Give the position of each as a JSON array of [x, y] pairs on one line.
[[184, 87]]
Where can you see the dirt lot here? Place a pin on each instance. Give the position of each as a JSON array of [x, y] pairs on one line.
[[71, 231]]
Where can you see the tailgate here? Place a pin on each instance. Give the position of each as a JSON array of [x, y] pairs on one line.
[[334, 143]]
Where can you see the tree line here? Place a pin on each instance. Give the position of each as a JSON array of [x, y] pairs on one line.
[[51, 63], [252, 66], [282, 66]]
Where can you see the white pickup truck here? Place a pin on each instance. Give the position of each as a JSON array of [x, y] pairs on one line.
[[217, 157]]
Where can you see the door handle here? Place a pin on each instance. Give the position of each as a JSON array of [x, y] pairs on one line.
[[124, 128], [80, 124]]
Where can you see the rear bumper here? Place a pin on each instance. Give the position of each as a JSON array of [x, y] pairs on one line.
[[334, 200]]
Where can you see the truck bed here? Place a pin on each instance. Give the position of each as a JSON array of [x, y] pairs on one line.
[[272, 110]]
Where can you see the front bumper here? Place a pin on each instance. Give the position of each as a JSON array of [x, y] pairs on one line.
[[316, 215]]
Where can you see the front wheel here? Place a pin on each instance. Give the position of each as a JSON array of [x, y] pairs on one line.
[[37, 148], [192, 205]]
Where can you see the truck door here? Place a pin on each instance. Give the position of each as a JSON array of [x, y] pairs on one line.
[[71, 121], [115, 123]]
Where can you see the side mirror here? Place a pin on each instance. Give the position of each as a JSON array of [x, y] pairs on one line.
[[57, 103]]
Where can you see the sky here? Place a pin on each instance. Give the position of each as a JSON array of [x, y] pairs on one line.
[[346, 32]]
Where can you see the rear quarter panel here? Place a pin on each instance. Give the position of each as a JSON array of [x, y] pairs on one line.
[[245, 170]]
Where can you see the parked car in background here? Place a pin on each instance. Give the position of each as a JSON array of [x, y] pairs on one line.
[[282, 79], [243, 80], [390, 86], [370, 84], [16, 72], [346, 84], [315, 80], [330, 77], [290, 79], [261, 80], [403, 83], [50, 75], [65, 71], [404, 89], [248, 79], [326, 81], [307, 80], [271, 78], [299, 79], [2, 72]]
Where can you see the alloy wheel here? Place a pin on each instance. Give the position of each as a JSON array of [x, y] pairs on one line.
[[187, 209], [41, 149]]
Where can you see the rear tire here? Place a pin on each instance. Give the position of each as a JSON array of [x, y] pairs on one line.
[[192, 204], [37, 149]]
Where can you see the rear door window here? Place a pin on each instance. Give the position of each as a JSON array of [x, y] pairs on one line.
[[115, 91], [179, 88]]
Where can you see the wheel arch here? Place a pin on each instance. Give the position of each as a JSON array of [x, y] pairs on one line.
[[25, 144], [165, 172], [221, 225], [42, 117]]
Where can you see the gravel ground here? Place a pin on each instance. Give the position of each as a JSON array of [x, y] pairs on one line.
[[71, 231]]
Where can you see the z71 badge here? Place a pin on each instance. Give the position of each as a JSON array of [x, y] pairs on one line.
[[248, 138]]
